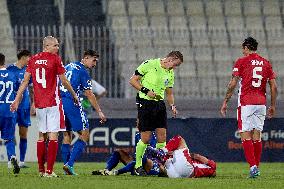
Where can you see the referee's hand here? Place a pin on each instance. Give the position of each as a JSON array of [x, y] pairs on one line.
[[151, 94]]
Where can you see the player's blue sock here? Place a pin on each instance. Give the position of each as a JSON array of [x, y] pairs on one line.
[[65, 152], [127, 168], [76, 151], [10, 147], [112, 161], [23, 148]]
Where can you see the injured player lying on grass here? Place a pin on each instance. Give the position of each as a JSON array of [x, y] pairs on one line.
[[176, 161]]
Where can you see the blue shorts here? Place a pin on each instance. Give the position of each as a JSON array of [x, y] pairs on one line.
[[75, 117], [24, 117], [7, 127]]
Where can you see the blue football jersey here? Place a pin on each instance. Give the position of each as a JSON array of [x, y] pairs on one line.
[[9, 84], [152, 142], [25, 103], [79, 78]]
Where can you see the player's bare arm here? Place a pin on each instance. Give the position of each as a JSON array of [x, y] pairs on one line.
[[31, 91], [92, 98], [273, 93], [14, 106], [171, 100], [68, 86], [230, 90], [135, 82], [199, 157]]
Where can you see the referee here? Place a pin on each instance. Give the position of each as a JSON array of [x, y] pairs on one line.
[[152, 79]]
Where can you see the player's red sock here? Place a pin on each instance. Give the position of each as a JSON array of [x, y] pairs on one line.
[[173, 144], [257, 144], [249, 152], [41, 151], [51, 155]]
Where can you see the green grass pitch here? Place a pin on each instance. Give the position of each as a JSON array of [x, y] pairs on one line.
[[229, 175]]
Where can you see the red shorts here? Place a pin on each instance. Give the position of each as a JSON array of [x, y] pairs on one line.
[[204, 170]]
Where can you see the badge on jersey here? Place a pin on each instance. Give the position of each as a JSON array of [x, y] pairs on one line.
[[167, 82]]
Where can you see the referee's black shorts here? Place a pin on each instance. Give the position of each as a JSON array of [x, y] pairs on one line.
[[151, 114]]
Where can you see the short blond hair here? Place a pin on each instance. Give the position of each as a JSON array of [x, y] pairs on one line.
[[47, 40]]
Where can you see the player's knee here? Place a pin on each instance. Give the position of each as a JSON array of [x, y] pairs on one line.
[[23, 132], [212, 164], [178, 139], [85, 138], [84, 135], [66, 140], [23, 135], [6, 141]]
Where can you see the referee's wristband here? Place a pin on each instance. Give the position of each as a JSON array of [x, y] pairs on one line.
[[144, 90]]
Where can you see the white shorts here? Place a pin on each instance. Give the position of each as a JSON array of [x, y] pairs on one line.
[[180, 165], [50, 119], [97, 89], [251, 117]]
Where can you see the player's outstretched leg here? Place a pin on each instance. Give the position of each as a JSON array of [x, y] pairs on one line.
[[111, 163], [113, 160], [75, 154], [127, 168], [65, 153]]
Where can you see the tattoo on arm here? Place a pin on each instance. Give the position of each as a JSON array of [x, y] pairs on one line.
[[231, 88]]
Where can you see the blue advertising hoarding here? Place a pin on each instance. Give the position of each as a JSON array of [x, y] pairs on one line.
[[216, 138]]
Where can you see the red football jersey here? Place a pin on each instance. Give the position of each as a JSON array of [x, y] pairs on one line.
[[44, 68], [254, 72]]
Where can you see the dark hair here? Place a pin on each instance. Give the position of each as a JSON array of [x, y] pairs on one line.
[[90, 52], [2, 59], [176, 54], [250, 43], [22, 53]]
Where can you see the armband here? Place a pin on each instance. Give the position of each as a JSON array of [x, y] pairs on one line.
[[144, 90]]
